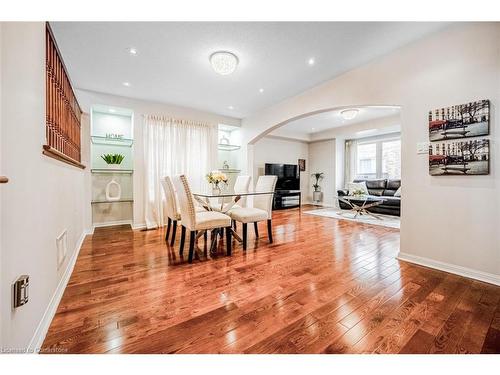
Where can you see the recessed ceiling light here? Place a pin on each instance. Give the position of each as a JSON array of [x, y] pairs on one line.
[[230, 107], [112, 110], [312, 129], [132, 51], [224, 62], [126, 84], [349, 114], [261, 90], [311, 61]]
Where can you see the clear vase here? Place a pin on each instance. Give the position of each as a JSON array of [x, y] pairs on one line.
[[216, 189]]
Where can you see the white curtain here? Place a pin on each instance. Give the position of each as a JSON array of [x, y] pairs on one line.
[[173, 147], [349, 161]]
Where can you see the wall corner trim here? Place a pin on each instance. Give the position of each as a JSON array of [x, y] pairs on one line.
[[451, 268], [41, 331]]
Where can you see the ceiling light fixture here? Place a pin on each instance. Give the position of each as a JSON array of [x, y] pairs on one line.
[[126, 84], [132, 51], [311, 61], [349, 114], [261, 90], [224, 62], [230, 107]]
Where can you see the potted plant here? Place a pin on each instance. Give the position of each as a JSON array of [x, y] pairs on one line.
[[317, 194], [113, 161], [216, 179]]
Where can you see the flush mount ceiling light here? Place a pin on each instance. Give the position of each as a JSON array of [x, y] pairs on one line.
[[311, 61], [224, 62], [349, 114], [132, 51], [126, 84]]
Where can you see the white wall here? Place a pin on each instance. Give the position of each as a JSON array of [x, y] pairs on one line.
[[322, 158], [43, 197], [87, 99], [282, 151], [453, 220]]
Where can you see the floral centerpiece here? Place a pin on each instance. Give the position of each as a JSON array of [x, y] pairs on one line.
[[358, 192], [216, 179]]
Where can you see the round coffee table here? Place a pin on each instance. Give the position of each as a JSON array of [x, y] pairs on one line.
[[360, 203]]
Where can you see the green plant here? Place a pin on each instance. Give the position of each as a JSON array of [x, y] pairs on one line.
[[318, 177], [113, 158]]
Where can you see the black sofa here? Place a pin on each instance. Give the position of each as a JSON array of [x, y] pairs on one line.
[[382, 188]]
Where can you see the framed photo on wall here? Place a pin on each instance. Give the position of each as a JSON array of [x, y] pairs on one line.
[[470, 156], [460, 121], [302, 165]]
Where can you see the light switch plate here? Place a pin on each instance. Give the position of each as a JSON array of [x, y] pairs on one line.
[[422, 147]]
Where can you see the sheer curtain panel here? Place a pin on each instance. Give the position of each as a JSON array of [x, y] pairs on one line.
[[173, 147]]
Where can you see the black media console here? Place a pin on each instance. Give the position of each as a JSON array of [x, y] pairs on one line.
[[286, 199]]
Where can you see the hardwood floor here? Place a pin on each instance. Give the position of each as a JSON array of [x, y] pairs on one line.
[[323, 286]]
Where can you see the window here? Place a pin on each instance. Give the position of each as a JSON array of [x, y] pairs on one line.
[[379, 158], [367, 160], [62, 112]]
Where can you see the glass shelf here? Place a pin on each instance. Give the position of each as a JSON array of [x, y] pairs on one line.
[[124, 142], [118, 201], [104, 170], [229, 170], [224, 147]]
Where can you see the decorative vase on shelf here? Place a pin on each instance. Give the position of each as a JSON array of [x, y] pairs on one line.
[[113, 185]]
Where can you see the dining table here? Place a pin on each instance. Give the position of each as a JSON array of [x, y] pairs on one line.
[[222, 201]]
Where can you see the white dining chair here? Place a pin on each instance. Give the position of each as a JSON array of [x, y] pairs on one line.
[[197, 221], [172, 211], [262, 208]]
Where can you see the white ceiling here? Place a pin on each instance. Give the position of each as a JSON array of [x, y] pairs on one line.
[[303, 127], [172, 62]]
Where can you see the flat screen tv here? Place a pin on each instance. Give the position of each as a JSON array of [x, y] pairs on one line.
[[288, 175]]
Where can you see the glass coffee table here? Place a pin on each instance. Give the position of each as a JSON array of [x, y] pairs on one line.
[[359, 204]]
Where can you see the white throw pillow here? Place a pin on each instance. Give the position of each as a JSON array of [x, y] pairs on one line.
[[352, 186], [398, 192]]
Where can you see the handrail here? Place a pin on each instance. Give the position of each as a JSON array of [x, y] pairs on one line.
[[3, 180]]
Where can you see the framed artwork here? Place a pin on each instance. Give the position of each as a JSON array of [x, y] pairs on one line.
[[460, 121], [459, 157], [302, 165]]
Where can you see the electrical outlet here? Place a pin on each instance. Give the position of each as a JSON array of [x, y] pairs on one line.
[[62, 247]]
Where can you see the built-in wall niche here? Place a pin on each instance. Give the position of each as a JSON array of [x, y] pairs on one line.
[[112, 165], [229, 151]]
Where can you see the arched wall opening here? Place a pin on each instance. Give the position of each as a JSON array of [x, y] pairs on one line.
[[418, 79]]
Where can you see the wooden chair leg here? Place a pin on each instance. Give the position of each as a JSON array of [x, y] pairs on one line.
[[192, 236], [234, 225], [205, 237], [169, 224], [228, 241], [269, 231], [256, 229], [183, 239], [174, 231], [245, 236]]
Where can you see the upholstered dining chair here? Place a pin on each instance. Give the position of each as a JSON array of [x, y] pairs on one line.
[[262, 209], [172, 211], [197, 221]]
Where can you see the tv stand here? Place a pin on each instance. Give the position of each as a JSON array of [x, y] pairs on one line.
[[284, 199]]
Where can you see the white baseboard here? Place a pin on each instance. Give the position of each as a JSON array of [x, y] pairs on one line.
[[112, 223], [139, 226], [37, 339], [451, 268]]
